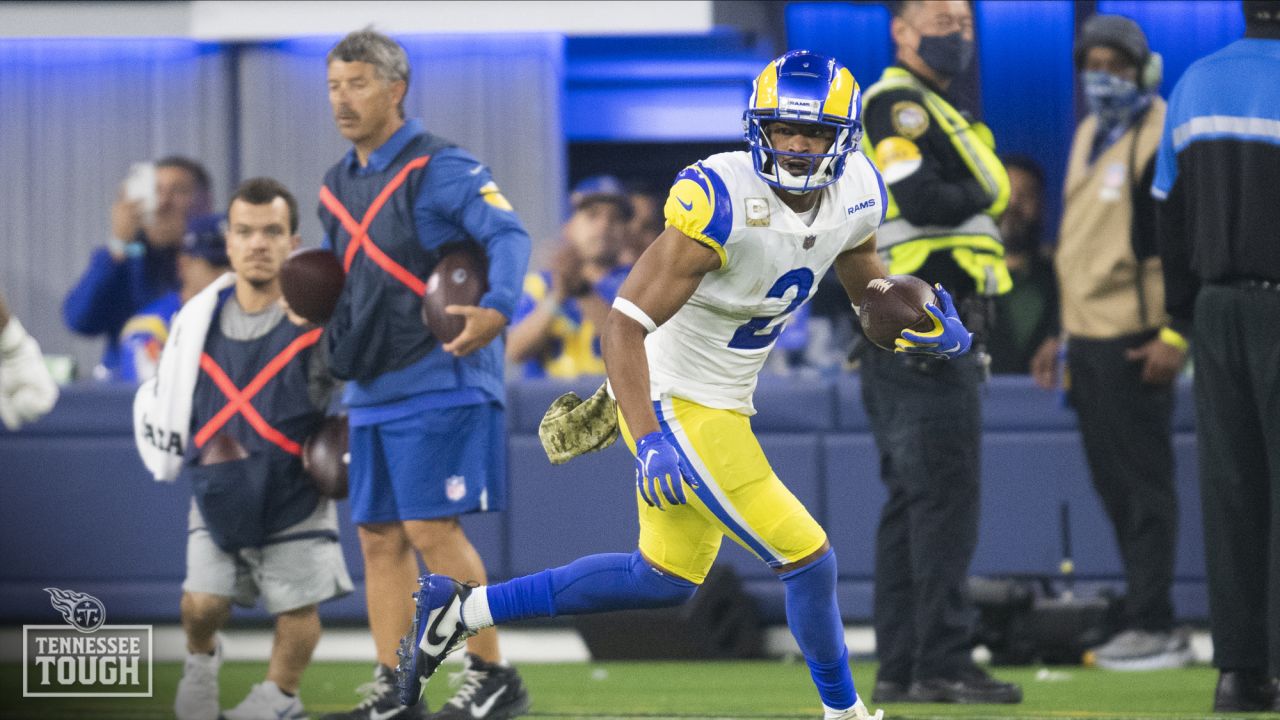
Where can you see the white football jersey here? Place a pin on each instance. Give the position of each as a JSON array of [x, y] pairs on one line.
[[712, 349]]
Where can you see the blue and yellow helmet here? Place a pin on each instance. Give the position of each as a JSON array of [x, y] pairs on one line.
[[804, 87]]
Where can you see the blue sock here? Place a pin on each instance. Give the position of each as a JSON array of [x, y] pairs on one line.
[[595, 583], [814, 618]]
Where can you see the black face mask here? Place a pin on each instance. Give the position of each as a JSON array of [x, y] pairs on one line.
[[947, 55]]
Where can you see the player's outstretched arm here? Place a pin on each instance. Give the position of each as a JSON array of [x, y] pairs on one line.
[[857, 267], [661, 282]]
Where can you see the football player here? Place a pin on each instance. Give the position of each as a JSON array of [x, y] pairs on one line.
[[749, 234]]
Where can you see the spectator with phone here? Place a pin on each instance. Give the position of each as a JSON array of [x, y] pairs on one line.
[[139, 262], [202, 259]]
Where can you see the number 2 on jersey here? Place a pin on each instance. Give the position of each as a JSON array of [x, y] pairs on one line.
[[749, 335]]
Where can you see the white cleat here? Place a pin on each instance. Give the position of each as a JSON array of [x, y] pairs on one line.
[[859, 712], [266, 701], [197, 697]]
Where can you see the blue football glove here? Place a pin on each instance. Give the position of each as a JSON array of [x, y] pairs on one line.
[[948, 338], [659, 471]]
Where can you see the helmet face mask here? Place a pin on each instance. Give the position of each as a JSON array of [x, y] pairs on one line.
[[803, 88]]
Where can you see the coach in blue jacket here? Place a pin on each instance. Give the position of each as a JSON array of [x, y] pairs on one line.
[[427, 428]]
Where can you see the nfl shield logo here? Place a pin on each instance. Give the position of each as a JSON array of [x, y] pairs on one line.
[[809, 240], [455, 488]]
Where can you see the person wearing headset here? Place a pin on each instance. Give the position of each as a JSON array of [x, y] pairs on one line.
[[1121, 354]]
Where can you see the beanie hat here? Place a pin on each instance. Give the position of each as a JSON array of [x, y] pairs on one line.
[[1115, 31]]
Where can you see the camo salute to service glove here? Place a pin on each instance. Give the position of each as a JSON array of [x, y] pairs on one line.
[[948, 338], [660, 471]]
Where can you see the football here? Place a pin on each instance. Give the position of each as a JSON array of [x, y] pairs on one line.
[[326, 455], [893, 304], [460, 278], [311, 280], [222, 448]]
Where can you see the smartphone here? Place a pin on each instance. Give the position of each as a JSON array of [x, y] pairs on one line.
[[140, 185]]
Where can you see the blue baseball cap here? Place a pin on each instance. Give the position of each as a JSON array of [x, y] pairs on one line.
[[599, 185], [602, 188], [206, 239]]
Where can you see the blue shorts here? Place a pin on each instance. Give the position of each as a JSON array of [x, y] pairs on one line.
[[437, 463]]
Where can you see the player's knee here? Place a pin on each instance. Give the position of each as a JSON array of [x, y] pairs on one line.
[[202, 610], [383, 539], [660, 588], [306, 613], [437, 538], [820, 570]]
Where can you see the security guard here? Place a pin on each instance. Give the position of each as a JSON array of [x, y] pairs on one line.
[[947, 189]]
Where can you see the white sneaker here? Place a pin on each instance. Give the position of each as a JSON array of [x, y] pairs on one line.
[[197, 697], [1143, 650], [265, 701], [858, 712]]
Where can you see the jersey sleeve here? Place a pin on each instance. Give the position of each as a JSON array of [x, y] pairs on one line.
[[866, 223], [896, 123], [1166, 160], [699, 206], [459, 199], [535, 289]]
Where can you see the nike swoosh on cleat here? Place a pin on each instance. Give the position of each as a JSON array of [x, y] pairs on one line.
[[482, 710], [436, 641], [683, 204], [952, 349], [475, 170], [384, 714]]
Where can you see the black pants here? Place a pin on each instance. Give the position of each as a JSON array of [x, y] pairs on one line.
[[1126, 426], [926, 419], [1237, 363]]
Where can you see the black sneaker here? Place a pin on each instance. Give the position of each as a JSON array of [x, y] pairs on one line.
[[381, 701], [485, 692], [890, 691], [1245, 691], [971, 685]]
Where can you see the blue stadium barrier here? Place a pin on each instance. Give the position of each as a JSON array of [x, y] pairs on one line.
[[81, 513]]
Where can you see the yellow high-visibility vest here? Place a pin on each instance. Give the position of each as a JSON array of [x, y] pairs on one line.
[[975, 243]]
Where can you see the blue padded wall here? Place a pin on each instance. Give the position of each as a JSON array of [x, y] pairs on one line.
[[79, 511], [856, 35], [1182, 32]]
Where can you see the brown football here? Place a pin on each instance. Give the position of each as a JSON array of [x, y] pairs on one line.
[[326, 455], [460, 278], [311, 280], [221, 448], [893, 304]]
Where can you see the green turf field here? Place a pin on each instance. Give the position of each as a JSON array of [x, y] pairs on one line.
[[697, 691]]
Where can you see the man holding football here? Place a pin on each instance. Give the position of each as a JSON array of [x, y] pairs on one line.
[[683, 345], [427, 424]]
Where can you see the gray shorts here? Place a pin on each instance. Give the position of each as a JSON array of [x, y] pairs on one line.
[[287, 575]]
